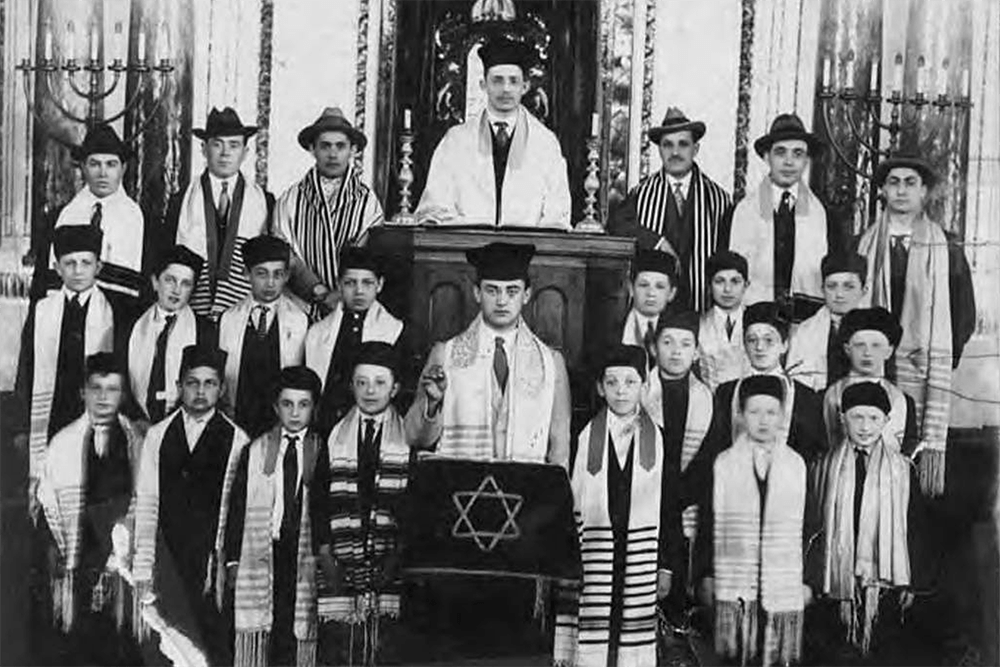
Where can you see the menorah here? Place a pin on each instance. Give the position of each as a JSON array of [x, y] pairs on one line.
[[50, 69]]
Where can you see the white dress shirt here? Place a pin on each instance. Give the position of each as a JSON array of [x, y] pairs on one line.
[[622, 429], [684, 181], [272, 311], [121, 223], [216, 184], [777, 191], [194, 427], [84, 296]]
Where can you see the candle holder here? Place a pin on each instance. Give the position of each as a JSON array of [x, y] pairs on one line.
[[405, 180], [591, 184]]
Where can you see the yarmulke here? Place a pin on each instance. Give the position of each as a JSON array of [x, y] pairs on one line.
[[844, 262], [761, 385], [726, 259], [676, 318], [356, 257], [203, 356], [377, 353], [262, 249], [624, 356], [871, 319], [766, 312], [299, 377], [501, 261], [656, 261], [104, 363], [865, 393], [76, 238], [180, 254]]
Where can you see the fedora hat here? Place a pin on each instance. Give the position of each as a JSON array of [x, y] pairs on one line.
[[331, 120], [101, 139], [914, 162], [676, 121], [788, 126], [225, 123]]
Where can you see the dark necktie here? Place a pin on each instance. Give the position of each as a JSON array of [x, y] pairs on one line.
[[500, 366], [156, 404], [898, 258], [784, 245], [860, 470], [730, 325], [502, 136], [97, 216], [648, 341], [262, 321], [223, 210], [679, 197], [291, 471], [73, 306]]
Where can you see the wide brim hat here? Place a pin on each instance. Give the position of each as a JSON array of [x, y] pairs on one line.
[[331, 120], [788, 126], [675, 121], [914, 162], [101, 139], [225, 123]]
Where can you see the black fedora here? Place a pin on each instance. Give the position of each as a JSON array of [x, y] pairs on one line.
[[331, 120], [676, 121], [101, 139], [225, 123], [910, 161], [788, 126]]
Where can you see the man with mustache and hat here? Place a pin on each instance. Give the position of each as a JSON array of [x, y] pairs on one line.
[[326, 211], [781, 226], [502, 167], [920, 274], [218, 212], [678, 209]]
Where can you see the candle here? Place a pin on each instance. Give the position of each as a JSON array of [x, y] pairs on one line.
[[595, 125], [966, 83], [163, 42], [48, 41], [897, 74], [849, 70], [826, 72], [119, 42], [70, 41], [942, 79], [93, 43], [406, 119], [873, 81], [142, 45]]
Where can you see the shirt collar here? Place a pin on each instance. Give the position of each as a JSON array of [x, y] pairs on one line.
[[777, 191], [90, 198], [720, 315], [511, 120], [301, 435], [685, 181], [84, 295], [204, 419], [379, 418], [217, 182], [160, 315], [508, 336]]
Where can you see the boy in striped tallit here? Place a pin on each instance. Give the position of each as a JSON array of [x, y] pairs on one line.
[[360, 478], [629, 538]]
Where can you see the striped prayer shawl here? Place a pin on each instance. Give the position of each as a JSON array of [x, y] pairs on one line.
[[710, 203], [696, 423], [924, 353], [758, 559], [62, 495], [363, 553], [480, 422], [254, 595], [895, 428], [98, 336], [585, 639], [317, 232]]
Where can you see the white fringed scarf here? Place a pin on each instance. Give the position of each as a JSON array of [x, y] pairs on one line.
[[807, 348], [142, 351], [379, 325]]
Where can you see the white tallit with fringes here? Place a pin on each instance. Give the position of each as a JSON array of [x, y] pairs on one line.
[[98, 336], [379, 325], [807, 347], [142, 351]]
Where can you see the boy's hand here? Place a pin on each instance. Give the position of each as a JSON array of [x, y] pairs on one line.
[[905, 599], [807, 595], [434, 381], [664, 579]]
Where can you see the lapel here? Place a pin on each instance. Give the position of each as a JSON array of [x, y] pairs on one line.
[[232, 225], [211, 227]]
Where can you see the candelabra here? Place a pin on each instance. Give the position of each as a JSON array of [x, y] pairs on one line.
[[405, 176], [49, 70], [591, 184]]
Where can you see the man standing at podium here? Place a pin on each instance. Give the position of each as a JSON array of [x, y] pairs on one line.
[[502, 167], [495, 391]]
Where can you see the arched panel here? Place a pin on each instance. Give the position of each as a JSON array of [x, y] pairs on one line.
[[550, 316], [445, 311]]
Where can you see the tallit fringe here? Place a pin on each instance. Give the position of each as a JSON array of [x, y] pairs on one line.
[[931, 469], [736, 629], [62, 600], [783, 638], [867, 610], [252, 647], [542, 594], [305, 653], [140, 629]]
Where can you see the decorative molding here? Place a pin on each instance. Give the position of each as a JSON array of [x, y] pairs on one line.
[[385, 111], [361, 65], [264, 90], [648, 71], [743, 98]]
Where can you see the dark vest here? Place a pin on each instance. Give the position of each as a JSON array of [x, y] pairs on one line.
[[67, 404], [260, 368], [337, 396]]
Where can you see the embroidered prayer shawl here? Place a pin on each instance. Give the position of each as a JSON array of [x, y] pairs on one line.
[[753, 237], [696, 422], [710, 203], [379, 325], [882, 557], [807, 347], [924, 354], [62, 495], [318, 233], [895, 428], [292, 325], [758, 566], [98, 336], [221, 284], [461, 184], [720, 359], [254, 596], [142, 350], [474, 408], [362, 571], [584, 640], [147, 498]]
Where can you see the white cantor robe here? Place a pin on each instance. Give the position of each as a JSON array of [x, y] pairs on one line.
[[461, 185], [752, 236], [142, 350], [379, 325], [292, 326]]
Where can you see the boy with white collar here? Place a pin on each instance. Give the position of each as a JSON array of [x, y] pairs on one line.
[[618, 481], [653, 287], [262, 334], [721, 357]]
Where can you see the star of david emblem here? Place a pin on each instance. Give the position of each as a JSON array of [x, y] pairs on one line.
[[491, 500]]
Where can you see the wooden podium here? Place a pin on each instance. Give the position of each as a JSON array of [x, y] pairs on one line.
[[579, 285]]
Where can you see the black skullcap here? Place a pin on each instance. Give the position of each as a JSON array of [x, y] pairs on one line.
[[203, 356], [377, 353], [865, 393], [356, 257], [262, 249], [844, 262], [761, 385], [676, 318], [299, 377], [626, 355], [506, 52], [76, 238], [180, 254], [104, 363], [871, 319], [654, 260], [726, 259], [767, 312], [501, 261]]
